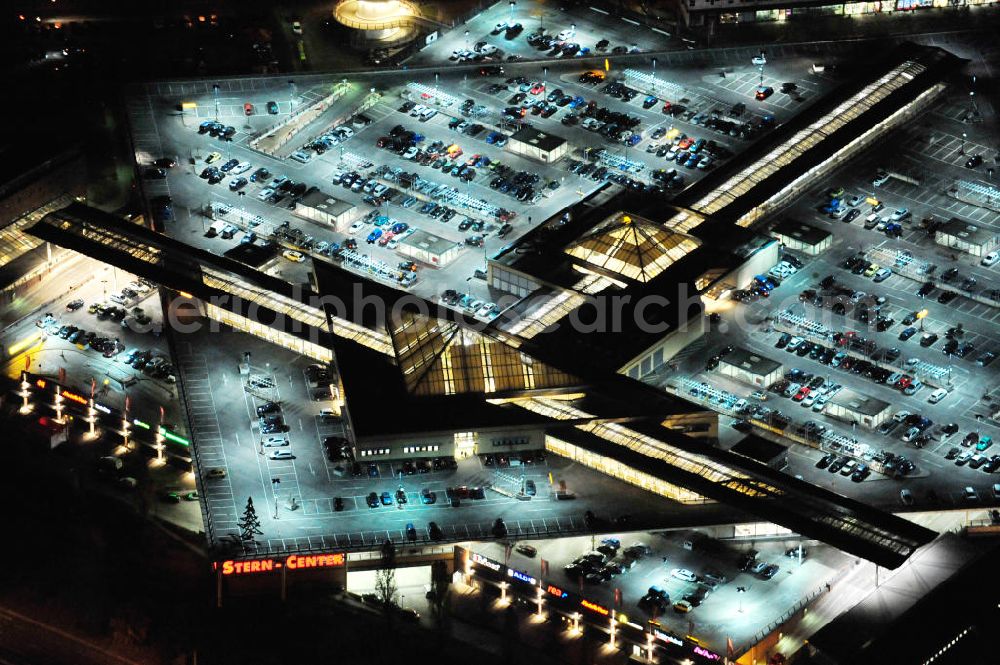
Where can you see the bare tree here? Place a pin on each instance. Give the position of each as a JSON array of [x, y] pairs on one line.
[[385, 578]]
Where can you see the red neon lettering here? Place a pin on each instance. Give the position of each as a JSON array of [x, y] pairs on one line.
[[595, 607], [556, 591], [74, 397], [40, 383]]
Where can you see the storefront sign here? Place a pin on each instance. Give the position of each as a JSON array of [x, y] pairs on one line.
[[523, 577], [667, 637], [557, 592], [483, 561], [594, 607], [73, 397], [292, 562], [705, 653]]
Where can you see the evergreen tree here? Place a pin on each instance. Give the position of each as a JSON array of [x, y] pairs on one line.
[[249, 524]]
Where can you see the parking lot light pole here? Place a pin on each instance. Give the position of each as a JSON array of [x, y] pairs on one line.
[[614, 632], [961, 149], [740, 590], [215, 94], [540, 600], [274, 488]]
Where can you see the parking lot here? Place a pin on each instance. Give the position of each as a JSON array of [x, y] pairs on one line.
[[684, 564], [447, 171], [866, 287], [227, 430], [584, 27]]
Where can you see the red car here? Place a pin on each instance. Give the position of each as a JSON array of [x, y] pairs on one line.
[[471, 161], [386, 237], [537, 88], [666, 107], [802, 394], [248, 108]]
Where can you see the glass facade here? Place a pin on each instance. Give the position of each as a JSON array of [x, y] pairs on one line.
[[442, 358], [273, 335], [633, 248], [14, 242], [622, 472]]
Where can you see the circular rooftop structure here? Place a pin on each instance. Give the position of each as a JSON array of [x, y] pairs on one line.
[[378, 23]]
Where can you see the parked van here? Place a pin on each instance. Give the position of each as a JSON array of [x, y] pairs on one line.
[[817, 68]]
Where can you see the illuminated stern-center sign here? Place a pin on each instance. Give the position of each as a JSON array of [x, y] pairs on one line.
[[291, 562]]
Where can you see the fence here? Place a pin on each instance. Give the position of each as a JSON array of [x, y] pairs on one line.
[[976, 193]]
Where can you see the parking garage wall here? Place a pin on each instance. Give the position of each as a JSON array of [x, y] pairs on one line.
[[664, 350], [511, 281], [506, 441]]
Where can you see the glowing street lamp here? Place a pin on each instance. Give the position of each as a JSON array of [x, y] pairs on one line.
[[921, 315], [512, 5], [614, 632], [540, 600], [503, 592]]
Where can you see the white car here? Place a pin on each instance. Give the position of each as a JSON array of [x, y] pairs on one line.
[[265, 193], [759, 60], [937, 395], [301, 156], [990, 259], [683, 574], [880, 178], [565, 34], [355, 227], [417, 110], [855, 201], [242, 167], [488, 49], [900, 214], [280, 454], [275, 442], [344, 131], [410, 153]]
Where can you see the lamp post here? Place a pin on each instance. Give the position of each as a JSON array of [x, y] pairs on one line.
[[961, 149], [614, 632], [215, 94], [510, 20], [466, 40], [740, 590], [274, 489]]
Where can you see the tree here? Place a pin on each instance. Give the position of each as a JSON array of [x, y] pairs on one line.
[[249, 525], [441, 594], [385, 578]]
